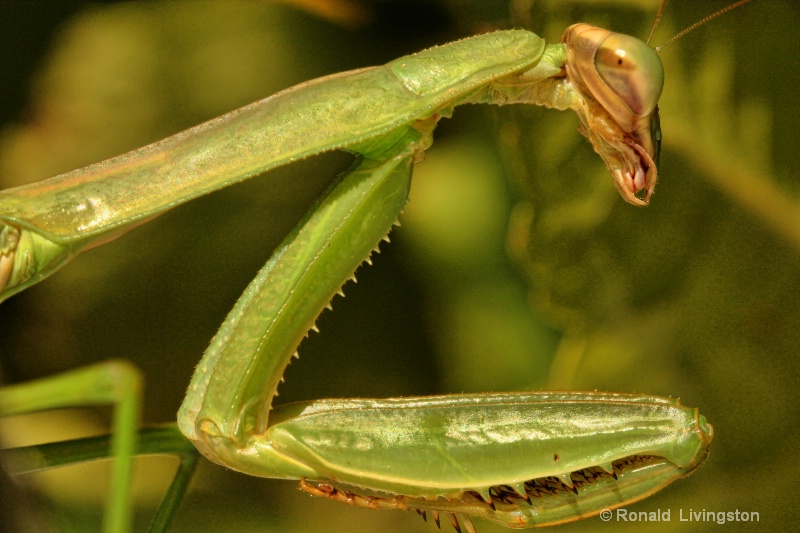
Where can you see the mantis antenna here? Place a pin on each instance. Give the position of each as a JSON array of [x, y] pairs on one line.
[[690, 28]]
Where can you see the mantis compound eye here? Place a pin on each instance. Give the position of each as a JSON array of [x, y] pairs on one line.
[[632, 70]]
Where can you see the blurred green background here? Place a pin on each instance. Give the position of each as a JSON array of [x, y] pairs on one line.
[[517, 266]]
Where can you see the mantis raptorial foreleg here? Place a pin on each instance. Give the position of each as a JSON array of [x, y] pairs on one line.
[[522, 459]]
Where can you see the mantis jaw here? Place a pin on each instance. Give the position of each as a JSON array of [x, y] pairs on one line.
[[630, 163], [641, 177]]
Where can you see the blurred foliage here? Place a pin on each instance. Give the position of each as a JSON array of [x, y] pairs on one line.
[[695, 296]]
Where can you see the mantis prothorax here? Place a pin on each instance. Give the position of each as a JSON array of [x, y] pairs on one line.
[[520, 459]]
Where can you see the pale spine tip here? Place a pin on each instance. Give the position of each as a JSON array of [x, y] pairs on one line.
[[519, 488], [566, 480]]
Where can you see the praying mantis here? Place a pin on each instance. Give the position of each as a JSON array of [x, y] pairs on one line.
[[386, 159]]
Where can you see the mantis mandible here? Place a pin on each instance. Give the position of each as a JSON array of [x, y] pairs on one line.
[[520, 459]]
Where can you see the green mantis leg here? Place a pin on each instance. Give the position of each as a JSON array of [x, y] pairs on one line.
[[157, 440], [230, 396], [115, 383]]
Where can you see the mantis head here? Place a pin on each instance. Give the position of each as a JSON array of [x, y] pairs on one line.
[[619, 80]]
